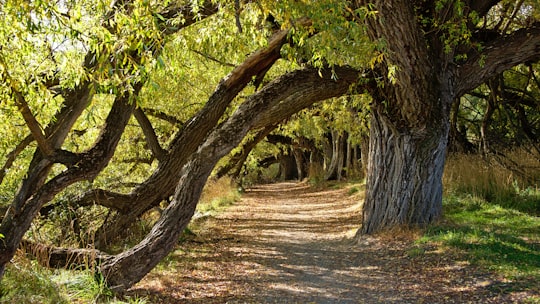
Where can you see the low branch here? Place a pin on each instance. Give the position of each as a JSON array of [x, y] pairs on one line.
[[163, 116], [285, 106], [58, 257]]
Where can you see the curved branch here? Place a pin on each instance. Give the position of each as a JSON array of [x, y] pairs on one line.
[[160, 185], [520, 47], [286, 106], [128, 267]]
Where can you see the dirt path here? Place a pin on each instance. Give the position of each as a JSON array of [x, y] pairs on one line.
[[289, 243]]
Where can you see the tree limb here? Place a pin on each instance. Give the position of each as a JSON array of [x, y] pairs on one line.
[[498, 56], [150, 134]]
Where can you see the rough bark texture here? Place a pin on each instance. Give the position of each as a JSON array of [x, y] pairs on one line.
[[420, 79], [406, 150], [127, 268], [404, 176]]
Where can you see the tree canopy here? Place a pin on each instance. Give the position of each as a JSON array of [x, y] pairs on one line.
[[113, 108]]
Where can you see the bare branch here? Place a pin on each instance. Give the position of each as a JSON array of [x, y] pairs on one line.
[[150, 134]]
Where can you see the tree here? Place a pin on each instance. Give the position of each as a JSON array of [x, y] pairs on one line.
[[433, 53], [119, 54], [428, 54]]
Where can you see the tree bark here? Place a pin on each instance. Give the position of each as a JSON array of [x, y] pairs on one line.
[[409, 123], [127, 268], [404, 176]]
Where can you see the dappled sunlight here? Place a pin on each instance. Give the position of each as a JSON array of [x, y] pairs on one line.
[[289, 243]]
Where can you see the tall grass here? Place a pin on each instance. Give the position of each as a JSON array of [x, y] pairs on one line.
[[488, 179], [26, 282], [218, 193], [492, 219]]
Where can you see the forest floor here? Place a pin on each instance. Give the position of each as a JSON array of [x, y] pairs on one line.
[[292, 243]]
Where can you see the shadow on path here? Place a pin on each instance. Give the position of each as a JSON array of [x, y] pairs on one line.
[[289, 243]]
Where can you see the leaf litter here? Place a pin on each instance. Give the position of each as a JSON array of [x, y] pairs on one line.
[[293, 243]]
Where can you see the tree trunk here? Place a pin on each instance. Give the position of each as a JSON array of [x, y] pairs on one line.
[[287, 167], [404, 181], [338, 155]]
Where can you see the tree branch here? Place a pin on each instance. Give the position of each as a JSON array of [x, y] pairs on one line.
[[498, 56], [13, 155], [150, 134]]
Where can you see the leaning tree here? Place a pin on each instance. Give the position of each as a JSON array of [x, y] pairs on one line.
[[428, 54], [67, 53]]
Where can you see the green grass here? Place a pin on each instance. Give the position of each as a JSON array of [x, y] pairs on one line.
[[502, 237], [218, 194], [25, 282]]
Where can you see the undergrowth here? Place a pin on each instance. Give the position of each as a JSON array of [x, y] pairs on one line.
[[491, 219], [27, 282]]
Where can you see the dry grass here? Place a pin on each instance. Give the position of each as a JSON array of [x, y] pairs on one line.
[[492, 178], [218, 193]]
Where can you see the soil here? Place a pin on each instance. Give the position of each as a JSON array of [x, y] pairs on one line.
[[292, 243]]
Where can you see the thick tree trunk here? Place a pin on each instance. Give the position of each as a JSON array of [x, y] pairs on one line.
[[404, 181]]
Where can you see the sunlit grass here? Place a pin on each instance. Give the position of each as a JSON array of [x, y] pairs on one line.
[[491, 219], [217, 194], [26, 282], [500, 239]]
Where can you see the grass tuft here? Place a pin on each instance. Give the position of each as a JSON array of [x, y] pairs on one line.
[[218, 194]]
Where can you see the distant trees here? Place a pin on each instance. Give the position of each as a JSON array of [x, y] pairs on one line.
[[116, 48], [112, 109]]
